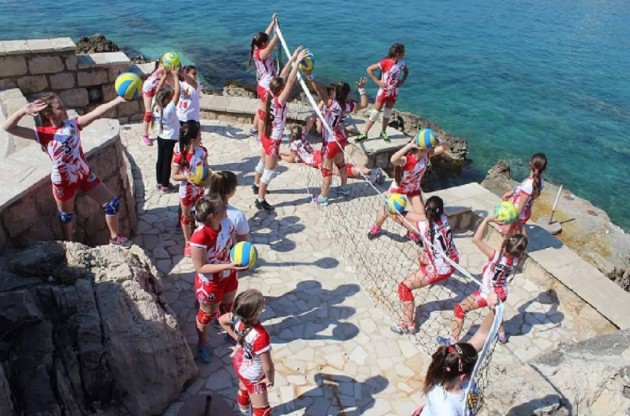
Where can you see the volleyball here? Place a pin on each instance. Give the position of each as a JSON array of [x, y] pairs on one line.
[[426, 139], [244, 254], [128, 85], [396, 203], [505, 212], [171, 60], [200, 175], [306, 65]]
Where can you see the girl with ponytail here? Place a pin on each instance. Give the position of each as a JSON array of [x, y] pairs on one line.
[[252, 360], [433, 229]]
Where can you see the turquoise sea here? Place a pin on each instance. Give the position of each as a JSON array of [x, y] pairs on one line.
[[513, 77]]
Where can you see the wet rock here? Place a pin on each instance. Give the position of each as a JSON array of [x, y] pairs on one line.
[[96, 43]]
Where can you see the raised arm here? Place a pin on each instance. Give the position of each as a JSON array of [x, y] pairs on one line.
[[30, 109], [413, 217], [371, 73], [443, 147], [287, 67], [272, 24], [361, 88], [321, 91], [398, 158], [87, 119], [478, 237], [173, 72], [288, 87]]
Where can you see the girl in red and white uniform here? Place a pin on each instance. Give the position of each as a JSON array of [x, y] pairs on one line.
[[433, 228], [224, 183], [252, 359], [272, 122], [188, 104], [60, 137], [410, 164], [501, 265], [191, 154], [149, 89], [215, 278], [337, 107], [394, 73], [524, 194], [260, 51]]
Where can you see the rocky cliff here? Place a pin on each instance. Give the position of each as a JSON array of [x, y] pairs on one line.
[[86, 331]]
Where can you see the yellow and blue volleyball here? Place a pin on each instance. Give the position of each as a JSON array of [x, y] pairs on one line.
[[171, 60], [200, 175], [396, 203], [506, 212], [128, 85], [426, 139], [244, 254], [307, 64]]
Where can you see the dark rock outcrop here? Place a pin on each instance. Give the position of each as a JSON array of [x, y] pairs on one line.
[[96, 43], [86, 331]]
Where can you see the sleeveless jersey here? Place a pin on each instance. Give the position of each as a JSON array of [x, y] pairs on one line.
[[247, 360], [278, 119], [266, 69], [194, 159], [525, 188], [335, 117], [496, 273], [412, 172], [442, 244], [390, 74], [217, 244]]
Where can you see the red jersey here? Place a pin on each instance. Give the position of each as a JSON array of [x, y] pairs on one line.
[[247, 360], [496, 273], [266, 69], [391, 74], [195, 158], [278, 119], [442, 245], [217, 244], [412, 172], [335, 117]]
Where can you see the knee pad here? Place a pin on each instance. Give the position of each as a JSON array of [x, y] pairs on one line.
[[147, 117], [204, 317], [112, 207], [185, 219], [387, 112], [260, 167], [326, 173], [404, 293], [460, 313], [267, 176], [262, 411], [242, 398], [65, 217], [374, 114]]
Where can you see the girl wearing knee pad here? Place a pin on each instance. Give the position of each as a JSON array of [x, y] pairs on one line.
[[260, 51], [336, 108], [501, 265], [410, 164], [433, 228], [191, 154], [60, 137], [149, 89], [215, 278], [394, 73], [272, 125], [252, 360]]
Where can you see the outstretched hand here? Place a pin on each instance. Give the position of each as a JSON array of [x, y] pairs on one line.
[[296, 52], [32, 109], [302, 54], [361, 82]]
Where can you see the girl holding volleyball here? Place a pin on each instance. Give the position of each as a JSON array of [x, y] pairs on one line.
[[432, 226], [260, 51], [410, 163], [272, 122], [501, 265], [165, 113], [191, 155], [215, 275], [60, 137], [394, 73], [252, 359], [149, 89], [224, 183], [337, 107], [524, 194], [188, 104]]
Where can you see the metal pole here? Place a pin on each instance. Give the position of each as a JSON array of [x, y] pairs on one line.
[[553, 210]]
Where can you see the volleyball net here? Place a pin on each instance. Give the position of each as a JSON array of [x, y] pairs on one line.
[[381, 263]]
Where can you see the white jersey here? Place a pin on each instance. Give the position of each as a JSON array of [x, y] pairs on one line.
[[238, 219], [335, 117], [303, 150], [266, 69], [390, 74], [496, 273], [188, 104], [168, 123], [443, 403], [443, 244], [278, 119]]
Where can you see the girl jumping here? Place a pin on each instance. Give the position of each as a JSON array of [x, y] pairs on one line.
[[215, 279], [165, 113], [501, 264], [272, 125], [410, 164], [191, 154], [388, 84], [252, 360], [60, 137], [438, 243]]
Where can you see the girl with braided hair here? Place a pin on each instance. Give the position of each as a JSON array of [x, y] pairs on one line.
[[252, 360], [435, 233], [524, 194]]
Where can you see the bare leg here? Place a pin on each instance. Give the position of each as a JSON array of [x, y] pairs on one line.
[[66, 206], [270, 163], [370, 123], [101, 195], [186, 229], [343, 173], [386, 120], [413, 281], [467, 305], [202, 329], [327, 180]]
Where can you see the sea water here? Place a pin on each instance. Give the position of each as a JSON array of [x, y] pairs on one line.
[[513, 77]]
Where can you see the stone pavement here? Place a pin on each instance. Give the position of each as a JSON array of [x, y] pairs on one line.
[[332, 348]]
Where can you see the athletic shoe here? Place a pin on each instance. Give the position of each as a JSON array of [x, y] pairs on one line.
[[415, 238], [373, 177], [203, 353], [360, 138], [384, 136], [252, 132], [263, 205], [502, 338], [403, 329], [187, 250], [445, 341], [146, 141], [374, 232], [320, 200], [343, 190], [120, 241], [380, 178]]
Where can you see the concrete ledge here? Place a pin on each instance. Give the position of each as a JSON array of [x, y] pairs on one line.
[[102, 60]]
